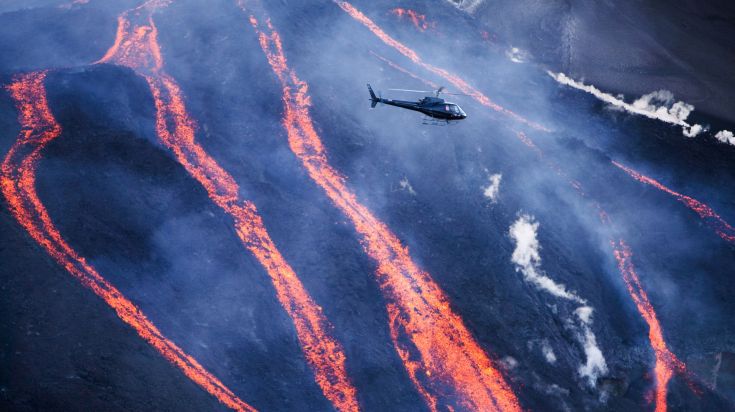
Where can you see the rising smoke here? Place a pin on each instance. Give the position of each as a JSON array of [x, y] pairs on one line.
[[527, 258]]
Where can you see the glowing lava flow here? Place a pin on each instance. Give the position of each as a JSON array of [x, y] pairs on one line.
[[720, 226], [666, 362], [419, 20], [457, 81], [445, 363], [18, 186], [136, 47]]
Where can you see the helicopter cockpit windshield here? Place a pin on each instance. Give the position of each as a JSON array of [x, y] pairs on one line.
[[453, 108]]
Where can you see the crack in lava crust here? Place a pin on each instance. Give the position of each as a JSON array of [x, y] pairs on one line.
[[136, 47], [447, 366], [18, 186]]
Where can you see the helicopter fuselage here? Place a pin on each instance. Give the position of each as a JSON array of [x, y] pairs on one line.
[[431, 106], [434, 107]]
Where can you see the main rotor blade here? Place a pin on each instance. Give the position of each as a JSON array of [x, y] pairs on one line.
[[430, 91], [414, 91]]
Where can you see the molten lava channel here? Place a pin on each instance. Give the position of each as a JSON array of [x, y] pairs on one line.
[[38, 128], [447, 366], [136, 47], [713, 220], [442, 358], [666, 362]]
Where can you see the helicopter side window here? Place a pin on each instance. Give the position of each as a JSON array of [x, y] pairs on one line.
[[446, 107]]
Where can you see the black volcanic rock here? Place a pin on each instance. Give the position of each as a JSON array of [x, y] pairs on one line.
[[65, 349], [121, 199]]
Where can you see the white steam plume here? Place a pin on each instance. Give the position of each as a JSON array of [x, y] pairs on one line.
[[406, 185], [493, 189], [725, 136], [595, 364], [467, 5], [516, 55], [548, 352], [528, 260], [658, 105]]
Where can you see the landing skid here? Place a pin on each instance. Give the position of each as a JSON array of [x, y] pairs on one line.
[[430, 121]]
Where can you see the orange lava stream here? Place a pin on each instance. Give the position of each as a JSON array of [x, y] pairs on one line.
[[445, 363], [666, 362], [18, 186], [405, 71], [136, 47], [419, 20], [720, 226], [455, 80], [528, 142]]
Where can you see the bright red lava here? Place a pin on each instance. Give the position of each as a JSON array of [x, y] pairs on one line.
[[455, 80], [445, 363], [417, 19], [717, 223], [528, 142], [18, 186], [136, 47], [666, 362]]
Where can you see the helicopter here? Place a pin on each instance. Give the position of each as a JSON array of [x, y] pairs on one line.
[[437, 110]]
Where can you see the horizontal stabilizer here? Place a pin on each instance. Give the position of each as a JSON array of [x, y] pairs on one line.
[[374, 100]]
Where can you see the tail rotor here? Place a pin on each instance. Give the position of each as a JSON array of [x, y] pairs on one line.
[[374, 100]]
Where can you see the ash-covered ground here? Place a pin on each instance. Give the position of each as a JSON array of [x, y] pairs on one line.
[[510, 231]]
